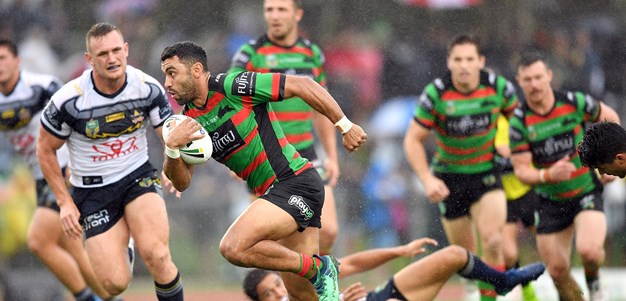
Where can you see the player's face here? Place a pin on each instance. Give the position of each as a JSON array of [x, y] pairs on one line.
[[616, 168], [9, 66], [178, 81], [272, 288], [281, 18], [535, 81], [465, 63], [107, 55]]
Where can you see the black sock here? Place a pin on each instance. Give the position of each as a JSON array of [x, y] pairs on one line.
[[477, 269], [85, 295], [172, 291]]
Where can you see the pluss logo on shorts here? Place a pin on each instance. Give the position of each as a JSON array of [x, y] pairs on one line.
[[298, 202]]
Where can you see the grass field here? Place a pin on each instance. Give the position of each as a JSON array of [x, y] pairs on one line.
[[613, 280]]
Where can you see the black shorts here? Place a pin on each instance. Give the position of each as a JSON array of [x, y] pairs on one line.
[[465, 190], [45, 197], [555, 216], [301, 196], [523, 209], [102, 207], [383, 293]]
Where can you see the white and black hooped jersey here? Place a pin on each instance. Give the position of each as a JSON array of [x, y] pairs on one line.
[[20, 111], [106, 134]]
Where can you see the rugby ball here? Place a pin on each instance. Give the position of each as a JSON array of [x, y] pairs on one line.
[[195, 152]]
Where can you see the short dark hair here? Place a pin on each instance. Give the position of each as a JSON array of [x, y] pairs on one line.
[[252, 280], [187, 52], [465, 39], [297, 3], [601, 142], [9, 44], [100, 30], [530, 57]]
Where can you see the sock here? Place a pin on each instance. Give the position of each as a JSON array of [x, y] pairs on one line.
[[593, 279], [479, 270], [309, 266], [172, 291], [86, 295]]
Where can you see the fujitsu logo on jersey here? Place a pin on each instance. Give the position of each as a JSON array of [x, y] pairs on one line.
[[114, 149], [220, 142], [244, 83], [97, 219]]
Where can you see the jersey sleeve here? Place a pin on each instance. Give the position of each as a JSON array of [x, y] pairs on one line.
[[320, 71], [241, 59], [589, 106], [54, 86], [54, 119], [518, 140], [425, 110], [509, 96], [160, 108], [256, 88]]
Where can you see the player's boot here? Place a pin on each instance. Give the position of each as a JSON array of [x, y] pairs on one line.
[[325, 281], [523, 275]]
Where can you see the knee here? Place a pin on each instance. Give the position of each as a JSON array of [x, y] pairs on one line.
[[591, 254], [36, 243], [510, 256], [156, 259], [231, 252], [115, 287], [491, 241], [456, 254], [558, 271]]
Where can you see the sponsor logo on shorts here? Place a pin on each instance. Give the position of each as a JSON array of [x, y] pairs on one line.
[[298, 202], [587, 202], [96, 220], [149, 181]]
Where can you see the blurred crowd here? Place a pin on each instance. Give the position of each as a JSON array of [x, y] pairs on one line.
[[376, 68]]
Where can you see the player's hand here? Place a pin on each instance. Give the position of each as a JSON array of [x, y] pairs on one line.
[[183, 133], [435, 189], [331, 168], [69, 215], [168, 183], [416, 247], [561, 170], [354, 138], [354, 292]]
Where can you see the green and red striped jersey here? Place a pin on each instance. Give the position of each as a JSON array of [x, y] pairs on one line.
[[465, 124], [552, 136], [246, 135], [302, 58]]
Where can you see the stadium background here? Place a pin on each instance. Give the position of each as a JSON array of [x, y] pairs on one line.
[[380, 54]]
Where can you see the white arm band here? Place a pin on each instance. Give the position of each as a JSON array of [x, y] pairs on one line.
[[344, 124]]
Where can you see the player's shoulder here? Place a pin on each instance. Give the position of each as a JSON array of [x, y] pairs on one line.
[[74, 88], [137, 76], [38, 79]]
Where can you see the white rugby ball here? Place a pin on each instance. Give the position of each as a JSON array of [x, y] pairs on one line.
[[197, 151]]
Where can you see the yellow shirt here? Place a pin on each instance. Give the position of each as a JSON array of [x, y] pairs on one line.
[[513, 187]]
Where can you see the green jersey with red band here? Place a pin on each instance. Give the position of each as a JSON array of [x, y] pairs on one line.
[[465, 124], [552, 136], [245, 133], [303, 58]]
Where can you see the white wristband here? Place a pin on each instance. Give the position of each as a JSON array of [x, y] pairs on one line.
[[172, 153], [344, 124], [542, 175]]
